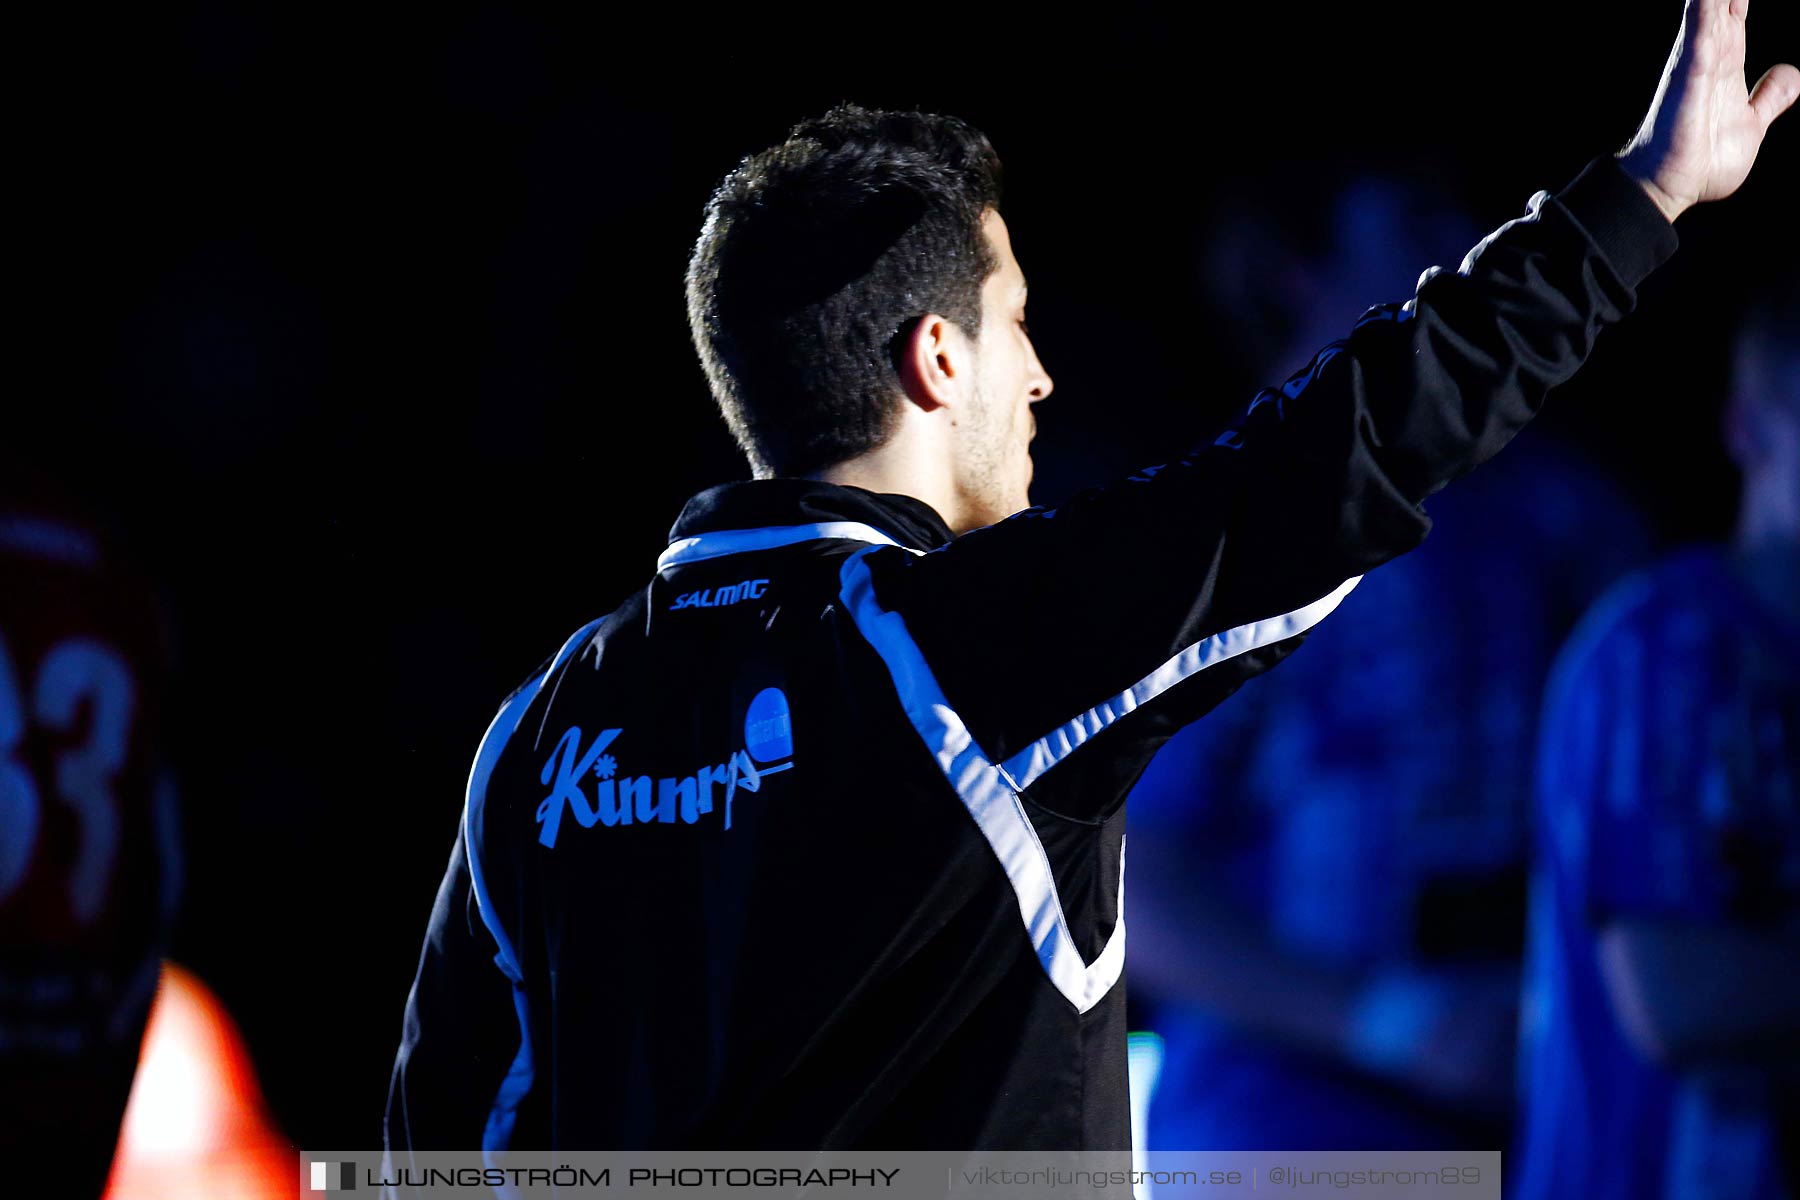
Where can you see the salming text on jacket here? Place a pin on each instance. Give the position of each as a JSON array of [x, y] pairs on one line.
[[817, 840]]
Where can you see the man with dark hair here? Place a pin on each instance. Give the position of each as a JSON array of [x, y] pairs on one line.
[[817, 840], [818, 258]]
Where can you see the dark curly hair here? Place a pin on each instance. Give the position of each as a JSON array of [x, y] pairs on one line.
[[815, 258]]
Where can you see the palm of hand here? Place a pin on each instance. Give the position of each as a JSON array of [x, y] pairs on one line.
[[1705, 127]]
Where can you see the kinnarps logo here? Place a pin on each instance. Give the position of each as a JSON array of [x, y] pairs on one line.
[[627, 800]]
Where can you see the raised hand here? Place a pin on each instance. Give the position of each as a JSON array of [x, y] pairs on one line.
[[1704, 127]]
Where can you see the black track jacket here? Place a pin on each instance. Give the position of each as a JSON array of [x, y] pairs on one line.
[[817, 841]]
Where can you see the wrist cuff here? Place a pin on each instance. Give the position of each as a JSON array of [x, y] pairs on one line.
[[1619, 215]]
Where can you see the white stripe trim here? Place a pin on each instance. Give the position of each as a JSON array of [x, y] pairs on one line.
[[1029, 764], [742, 541], [994, 805]]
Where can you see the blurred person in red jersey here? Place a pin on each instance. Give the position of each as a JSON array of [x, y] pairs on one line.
[[89, 859]]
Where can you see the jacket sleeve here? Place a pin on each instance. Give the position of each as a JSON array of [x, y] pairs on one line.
[[461, 1041], [1136, 607]]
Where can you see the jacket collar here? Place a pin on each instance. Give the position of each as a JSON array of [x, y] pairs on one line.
[[762, 503]]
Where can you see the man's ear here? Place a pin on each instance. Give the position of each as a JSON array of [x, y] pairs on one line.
[[934, 361]]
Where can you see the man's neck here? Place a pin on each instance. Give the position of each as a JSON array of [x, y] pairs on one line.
[[903, 475]]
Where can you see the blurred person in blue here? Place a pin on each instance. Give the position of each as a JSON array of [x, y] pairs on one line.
[[1328, 897], [1661, 1030]]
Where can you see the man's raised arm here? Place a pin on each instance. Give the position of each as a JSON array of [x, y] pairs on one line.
[[1136, 607]]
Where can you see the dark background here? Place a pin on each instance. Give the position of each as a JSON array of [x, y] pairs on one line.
[[369, 330]]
